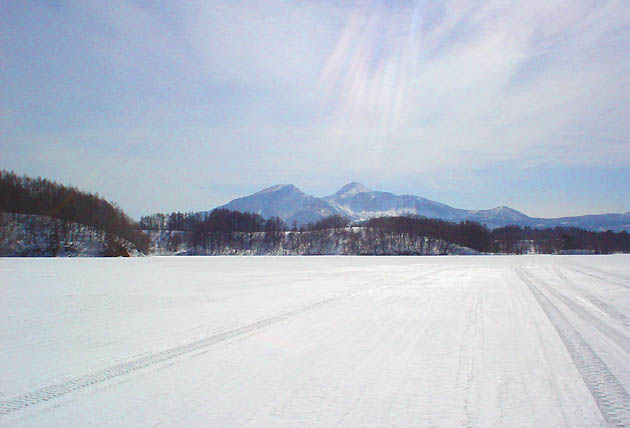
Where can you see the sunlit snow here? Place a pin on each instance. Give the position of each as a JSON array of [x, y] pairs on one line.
[[541, 341]]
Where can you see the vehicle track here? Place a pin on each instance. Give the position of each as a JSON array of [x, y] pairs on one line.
[[604, 276], [619, 338], [466, 361], [540, 331], [610, 395], [57, 390], [598, 303]]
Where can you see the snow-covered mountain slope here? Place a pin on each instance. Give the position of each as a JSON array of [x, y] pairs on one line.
[[285, 201], [602, 222], [499, 216], [358, 202]]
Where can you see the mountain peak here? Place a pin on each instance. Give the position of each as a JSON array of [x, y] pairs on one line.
[[351, 189], [503, 208], [276, 188], [505, 213], [357, 202]]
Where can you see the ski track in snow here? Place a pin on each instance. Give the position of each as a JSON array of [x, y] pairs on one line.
[[321, 341]]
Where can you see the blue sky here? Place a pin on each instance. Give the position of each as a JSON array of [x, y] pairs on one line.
[[163, 106]]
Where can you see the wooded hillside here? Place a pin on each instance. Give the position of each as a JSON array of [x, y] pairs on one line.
[[39, 196]]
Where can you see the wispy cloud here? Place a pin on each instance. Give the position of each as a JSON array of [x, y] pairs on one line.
[[316, 91]]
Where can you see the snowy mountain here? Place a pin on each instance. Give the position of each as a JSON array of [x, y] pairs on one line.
[[285, 201], [602, 222], [349, 190], [358, 202], [500, 216]]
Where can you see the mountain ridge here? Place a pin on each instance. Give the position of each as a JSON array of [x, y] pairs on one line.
[[358, 202]]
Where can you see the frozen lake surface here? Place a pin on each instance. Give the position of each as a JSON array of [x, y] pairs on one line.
[[511, 341]]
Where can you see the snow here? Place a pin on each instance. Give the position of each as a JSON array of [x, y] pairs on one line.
[[316, 341], [360, 203], [274, 188], [349, 189], [346, 241], [27, 235]]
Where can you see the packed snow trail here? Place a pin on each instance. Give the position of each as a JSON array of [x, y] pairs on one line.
[[320, 341]]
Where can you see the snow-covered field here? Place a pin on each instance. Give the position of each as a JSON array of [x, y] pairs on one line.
[[315, 341]]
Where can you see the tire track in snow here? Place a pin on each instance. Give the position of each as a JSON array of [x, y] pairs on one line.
[[599, 304], [540, 330], [466, 361], [52, 392], [625, 283], [620, 339], [621, 277], [610, 395]]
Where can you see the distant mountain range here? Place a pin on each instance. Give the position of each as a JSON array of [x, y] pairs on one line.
[[360, 203]]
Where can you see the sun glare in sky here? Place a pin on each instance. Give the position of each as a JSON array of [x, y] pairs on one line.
[[166, 106]]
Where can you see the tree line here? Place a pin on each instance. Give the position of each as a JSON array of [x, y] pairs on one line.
[[508, 239], [217, 220], [223, 227], [40, 196], [514, 239], [219, 227]]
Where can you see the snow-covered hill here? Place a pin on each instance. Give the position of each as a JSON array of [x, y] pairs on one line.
[[27, 235], [358, 202]]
